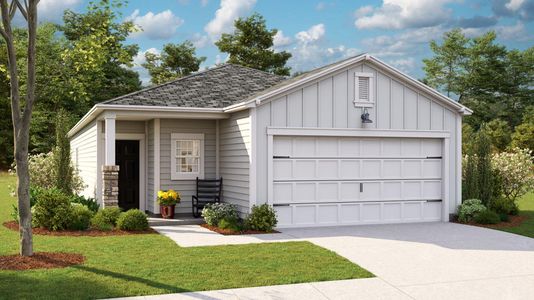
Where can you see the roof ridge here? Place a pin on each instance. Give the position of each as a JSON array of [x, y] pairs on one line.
[[165, 83]]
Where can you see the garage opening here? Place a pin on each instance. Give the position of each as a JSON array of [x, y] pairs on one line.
[[325, 181]]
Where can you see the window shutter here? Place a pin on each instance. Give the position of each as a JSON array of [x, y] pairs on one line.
[[363, 89]]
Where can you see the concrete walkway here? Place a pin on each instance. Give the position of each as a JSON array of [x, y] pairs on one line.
[[419, 261]]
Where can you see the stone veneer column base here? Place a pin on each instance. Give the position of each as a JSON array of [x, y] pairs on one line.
[[110, 186]]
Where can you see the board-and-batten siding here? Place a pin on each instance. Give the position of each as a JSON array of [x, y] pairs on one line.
[[84, 157], [187, 188], [234, 166], [328, 103]]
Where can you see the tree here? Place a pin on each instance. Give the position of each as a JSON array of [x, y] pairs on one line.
[[523, 136], [175, 61], [62, 162], [446, 68], [499, 134], [21, 107], [483, 168], [250, 45]]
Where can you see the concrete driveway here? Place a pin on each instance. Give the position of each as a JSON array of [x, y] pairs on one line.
[[436, 260], [419, 261]]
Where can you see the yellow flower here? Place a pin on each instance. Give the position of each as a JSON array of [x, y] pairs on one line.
[[161, 194]]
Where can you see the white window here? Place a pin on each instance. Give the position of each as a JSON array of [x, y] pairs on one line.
[[364, 89], [187, 156]]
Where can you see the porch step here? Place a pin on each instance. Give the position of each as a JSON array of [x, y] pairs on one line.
[[178, 220]]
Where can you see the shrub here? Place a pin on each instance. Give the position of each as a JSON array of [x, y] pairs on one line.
[[486, 182], [64, 169], [52, 210], [469, 209], [15, 210], [214, 212], [516, 171], [81, 217], [106, 219], [44, 175], [504, 206], [87, 202], [133, 220], [229, 223], [504, 217], [487, 216], [262, 218]]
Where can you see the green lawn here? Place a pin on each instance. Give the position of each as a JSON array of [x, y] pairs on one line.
[[153, 264], [526, 205]]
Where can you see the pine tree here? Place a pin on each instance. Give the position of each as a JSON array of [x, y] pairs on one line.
[[483, 168], [62, 160]]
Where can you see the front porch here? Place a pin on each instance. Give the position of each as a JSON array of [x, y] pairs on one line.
[[140, 154]]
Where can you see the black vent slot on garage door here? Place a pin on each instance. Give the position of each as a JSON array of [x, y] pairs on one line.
[[280, 156], [434, 157]]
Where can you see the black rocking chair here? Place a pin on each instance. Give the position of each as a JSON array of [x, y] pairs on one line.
[[208, 191]]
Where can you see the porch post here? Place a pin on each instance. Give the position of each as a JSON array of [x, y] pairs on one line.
[[110, 171]]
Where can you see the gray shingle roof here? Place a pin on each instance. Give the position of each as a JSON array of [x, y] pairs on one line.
[[218, 87]]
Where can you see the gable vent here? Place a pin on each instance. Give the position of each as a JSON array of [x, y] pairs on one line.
[[363, 89], [363, 86]]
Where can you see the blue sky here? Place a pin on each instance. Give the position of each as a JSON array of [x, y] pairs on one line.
[[319, 32]]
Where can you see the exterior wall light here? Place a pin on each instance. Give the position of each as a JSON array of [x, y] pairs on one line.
[[365, 117]]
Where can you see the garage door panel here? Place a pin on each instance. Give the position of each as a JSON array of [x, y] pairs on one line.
[[321, 181]]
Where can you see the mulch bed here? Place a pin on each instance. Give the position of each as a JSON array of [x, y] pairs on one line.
[[232, 232], [514, 222], [13, 225], [40, 260]]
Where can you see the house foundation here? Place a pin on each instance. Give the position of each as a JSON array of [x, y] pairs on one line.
[[110, 186]]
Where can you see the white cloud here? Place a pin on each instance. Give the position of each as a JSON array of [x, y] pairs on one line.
[[204, 3], [162, 25], [514, 5], [313, 34], [280, 40], [200, 40], [400, 14], [515, 32], [229, 11], [404, 64], [310, 52], [52, 10], [323, 6]]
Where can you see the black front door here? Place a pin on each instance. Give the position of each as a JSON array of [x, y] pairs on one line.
[[127, 158]]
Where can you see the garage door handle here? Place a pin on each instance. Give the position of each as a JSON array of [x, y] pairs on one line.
[[361, 187]]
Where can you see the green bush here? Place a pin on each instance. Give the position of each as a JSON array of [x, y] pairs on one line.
[[229, 223], [504, 217], [504, 206], [469, 209], [81, 217], [262, 218], [214, 212], [133, 220], [52, 210], [105, 219], [87, 202], [487, 217]]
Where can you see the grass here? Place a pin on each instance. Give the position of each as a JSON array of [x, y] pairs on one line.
[[153, 264], [526, 207]]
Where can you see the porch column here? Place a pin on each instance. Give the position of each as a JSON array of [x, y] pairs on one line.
[[110, 171]]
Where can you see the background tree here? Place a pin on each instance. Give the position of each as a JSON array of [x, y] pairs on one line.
[[175, 61], [446, 69], [499, 134], [21, 107], [251, 45], [523, 136]]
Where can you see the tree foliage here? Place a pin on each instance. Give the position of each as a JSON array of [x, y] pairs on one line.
[[523, 136], [62, 161], [175, 61], [485, 76], [251, 45]]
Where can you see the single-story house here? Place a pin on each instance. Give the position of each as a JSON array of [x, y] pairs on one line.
[[354, 142]]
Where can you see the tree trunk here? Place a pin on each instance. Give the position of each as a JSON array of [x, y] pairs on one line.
[[23, 190]]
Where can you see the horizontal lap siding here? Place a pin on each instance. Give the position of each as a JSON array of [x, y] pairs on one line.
[[187, 188], [130, 127], [150, 197], [328, 103], [84, 156], [235, 146]]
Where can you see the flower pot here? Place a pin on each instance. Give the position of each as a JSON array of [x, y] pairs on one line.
[[167, 211]]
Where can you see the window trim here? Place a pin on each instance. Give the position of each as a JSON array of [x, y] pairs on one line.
[[175, 175], [357, 101]]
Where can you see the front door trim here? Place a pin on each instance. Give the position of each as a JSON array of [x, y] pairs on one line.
[[142, 163]]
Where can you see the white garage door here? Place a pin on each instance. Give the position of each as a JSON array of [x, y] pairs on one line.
[[345, 180]]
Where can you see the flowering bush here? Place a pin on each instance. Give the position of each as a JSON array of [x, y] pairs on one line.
[[169, 197], [213, 213], [516, 171], [469, 209], [43, 173]]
